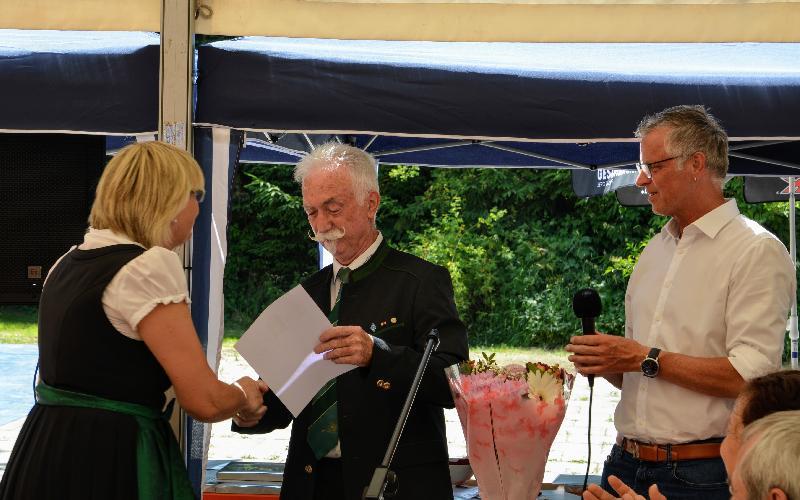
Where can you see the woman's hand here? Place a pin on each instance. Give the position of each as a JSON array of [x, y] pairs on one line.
[[254, 407]]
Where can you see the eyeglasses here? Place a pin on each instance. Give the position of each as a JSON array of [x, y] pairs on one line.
[[647, 168], [198, 195]]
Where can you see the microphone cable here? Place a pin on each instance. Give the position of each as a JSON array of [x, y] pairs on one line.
[[587, 306], [589, 435]]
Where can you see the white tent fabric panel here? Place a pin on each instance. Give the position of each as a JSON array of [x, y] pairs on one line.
[[216, 151], [531, 21], [219, 242], [80, 15]]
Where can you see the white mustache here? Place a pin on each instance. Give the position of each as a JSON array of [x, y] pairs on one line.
[[332, 235]]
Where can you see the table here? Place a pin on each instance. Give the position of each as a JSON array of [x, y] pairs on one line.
[[563, 487]]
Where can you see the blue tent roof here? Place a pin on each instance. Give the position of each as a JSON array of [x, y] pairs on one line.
[[496, 104], [79, 81], [538, 92], [763, 157], [428, 103]]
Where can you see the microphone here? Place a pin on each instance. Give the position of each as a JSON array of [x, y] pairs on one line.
[[587, 306]]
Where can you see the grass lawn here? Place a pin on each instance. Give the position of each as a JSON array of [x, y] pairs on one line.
[[503, 354], [18, 324]]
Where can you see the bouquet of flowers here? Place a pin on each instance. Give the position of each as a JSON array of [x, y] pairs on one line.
[[510, 416]]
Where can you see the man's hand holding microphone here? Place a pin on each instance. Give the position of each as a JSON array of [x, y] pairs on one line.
[[595, 353]]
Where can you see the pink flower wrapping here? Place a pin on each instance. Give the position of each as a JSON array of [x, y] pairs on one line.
[[510, 417]]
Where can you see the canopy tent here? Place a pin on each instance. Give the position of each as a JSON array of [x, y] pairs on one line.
[[538, 108], [499, 104]]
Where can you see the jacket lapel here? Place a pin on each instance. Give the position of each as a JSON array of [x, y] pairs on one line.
[[318, 287]]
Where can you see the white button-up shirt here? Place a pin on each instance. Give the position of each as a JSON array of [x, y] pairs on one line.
[[153, 278], [722, 289], [357, 262]]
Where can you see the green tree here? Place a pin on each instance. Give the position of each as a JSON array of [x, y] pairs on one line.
[[517, 243], [268, 247]]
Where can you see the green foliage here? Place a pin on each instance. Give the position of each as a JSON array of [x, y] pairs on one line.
[[517, 243], [268, 247], [483, 364]]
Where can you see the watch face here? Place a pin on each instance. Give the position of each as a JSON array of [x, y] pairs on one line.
[[650, 367]]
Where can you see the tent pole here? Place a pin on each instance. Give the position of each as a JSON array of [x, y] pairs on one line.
[[176, 65], [793, 333]]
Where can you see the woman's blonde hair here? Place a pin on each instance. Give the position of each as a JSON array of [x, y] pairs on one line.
[[142, 189]]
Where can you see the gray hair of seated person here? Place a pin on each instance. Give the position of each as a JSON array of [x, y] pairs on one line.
[[362, 166], [771, 462], [691, 129]]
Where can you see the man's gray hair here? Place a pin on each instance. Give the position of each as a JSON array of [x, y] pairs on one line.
[[332, 156], [691, 129], [771, 462]]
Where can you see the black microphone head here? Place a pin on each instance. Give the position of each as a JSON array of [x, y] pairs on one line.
[[586, 303]]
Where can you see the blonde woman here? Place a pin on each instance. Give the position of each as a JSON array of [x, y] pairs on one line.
[[114, 333]]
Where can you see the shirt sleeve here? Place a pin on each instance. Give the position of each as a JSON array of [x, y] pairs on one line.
[[155, 277], [762, 289]]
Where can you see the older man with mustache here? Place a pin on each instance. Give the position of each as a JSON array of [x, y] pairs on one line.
[[383, 303]]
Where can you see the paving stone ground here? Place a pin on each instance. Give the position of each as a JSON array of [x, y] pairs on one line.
[[567, 456]]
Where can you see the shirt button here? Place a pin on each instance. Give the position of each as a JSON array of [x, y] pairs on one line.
[[379, 383], [309, 469], [386, 386]]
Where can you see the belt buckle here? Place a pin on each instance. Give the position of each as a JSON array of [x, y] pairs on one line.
[[632, 447]]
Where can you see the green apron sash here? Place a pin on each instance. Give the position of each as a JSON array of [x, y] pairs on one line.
[[160, 469]]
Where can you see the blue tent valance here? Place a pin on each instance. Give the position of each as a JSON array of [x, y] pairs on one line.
[[79, 81], [513, 91]]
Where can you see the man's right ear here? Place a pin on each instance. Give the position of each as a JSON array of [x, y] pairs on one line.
[[373, 201]]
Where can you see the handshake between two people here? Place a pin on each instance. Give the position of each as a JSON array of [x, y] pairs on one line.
[[341, 344], [253, 408]]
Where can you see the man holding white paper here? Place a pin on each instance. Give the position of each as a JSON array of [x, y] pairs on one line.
[[382, 303]]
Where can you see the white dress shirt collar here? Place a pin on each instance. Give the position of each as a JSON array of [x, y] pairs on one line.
[[710, 224], [361, 259]]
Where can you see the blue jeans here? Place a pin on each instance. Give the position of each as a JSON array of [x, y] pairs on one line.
[[704, 479]]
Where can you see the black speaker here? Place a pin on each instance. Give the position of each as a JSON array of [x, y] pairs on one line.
[[47, 184]]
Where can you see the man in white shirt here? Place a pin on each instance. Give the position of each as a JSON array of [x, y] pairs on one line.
[[705, 310]]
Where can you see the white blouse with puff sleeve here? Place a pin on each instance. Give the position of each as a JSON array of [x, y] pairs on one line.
[[154, 277]]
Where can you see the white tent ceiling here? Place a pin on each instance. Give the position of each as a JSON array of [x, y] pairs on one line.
[[516, 20]]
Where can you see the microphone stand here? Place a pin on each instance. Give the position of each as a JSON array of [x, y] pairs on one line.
[[384, 481]]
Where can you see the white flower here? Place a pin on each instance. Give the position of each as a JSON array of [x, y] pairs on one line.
[[542, 385]]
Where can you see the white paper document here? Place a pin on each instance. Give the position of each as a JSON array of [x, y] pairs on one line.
[[279, 346]]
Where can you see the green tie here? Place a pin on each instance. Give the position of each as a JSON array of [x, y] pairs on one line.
[[323, 432]]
